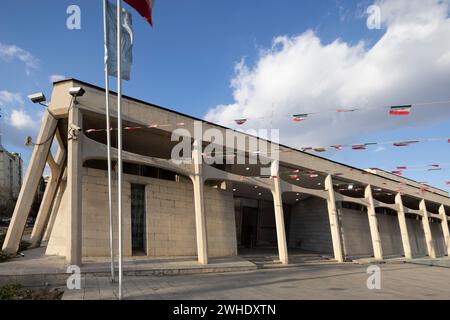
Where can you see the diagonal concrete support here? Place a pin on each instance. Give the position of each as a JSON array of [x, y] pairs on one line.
[[403, 226], [55, 207], [57, 168], [373, 224], [199, 201], [31, 183], [427, 229], [74, 176], [279, 214], [334, 221], [445, 229]]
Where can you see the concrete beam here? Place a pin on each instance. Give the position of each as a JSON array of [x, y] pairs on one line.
[[427, 230], [31, 183], [48, 199], [403, 226], [74, 188], [373, 224], [344, 198], [199, 201], [334, 221], [279, 214], [288, 187], [445, 229]]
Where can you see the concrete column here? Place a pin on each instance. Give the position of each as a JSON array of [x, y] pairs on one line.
[[334, 221], [403, 226], [55, 209], [427, 230], [373, 224], [444, 223], [74, 177], [200, 216], [48, 198], [279, 214], [30, 184]]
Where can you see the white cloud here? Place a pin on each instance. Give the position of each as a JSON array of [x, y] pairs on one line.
[[300, 74], [56, 77], [11, 52], [7, 97], [21, 120]]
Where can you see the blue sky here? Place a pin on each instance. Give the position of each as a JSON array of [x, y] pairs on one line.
[[187, 62]]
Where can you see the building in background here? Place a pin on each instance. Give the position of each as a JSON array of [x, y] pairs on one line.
[[10, 180]]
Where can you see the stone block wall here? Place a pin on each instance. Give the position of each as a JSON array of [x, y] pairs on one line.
[[170, 218], [357, 241], [310, 226], [391, 238]]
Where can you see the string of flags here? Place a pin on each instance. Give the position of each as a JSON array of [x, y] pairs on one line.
[[397, 110], [365, 146]]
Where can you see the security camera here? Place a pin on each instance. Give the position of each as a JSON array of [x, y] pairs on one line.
[[28, 141], [75, 127], [76, 92], [37, 97]]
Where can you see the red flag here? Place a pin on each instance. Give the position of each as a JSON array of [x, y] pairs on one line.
[[402, 168], [293, 177], [400, 110], [240, 122], [398, 173], [338, 147], [404, 143], [144, 7], [359, 147], [448, 183]]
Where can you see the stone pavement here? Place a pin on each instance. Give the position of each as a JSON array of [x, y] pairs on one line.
[[346, 281], [37, 269]]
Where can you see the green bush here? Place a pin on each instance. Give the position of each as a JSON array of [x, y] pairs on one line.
[[4, 256], [15, 292]]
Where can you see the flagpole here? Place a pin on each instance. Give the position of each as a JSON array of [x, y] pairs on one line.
[[108, 143], [119, 140]]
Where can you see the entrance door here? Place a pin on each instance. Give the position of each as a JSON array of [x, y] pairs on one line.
[[249, 227], [138, 218]]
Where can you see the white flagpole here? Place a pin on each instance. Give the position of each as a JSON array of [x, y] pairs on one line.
[[108, 142], [119, 139]]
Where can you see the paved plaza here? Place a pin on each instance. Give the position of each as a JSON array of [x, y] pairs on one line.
[[347, 281]]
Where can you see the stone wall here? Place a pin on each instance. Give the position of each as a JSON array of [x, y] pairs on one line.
[[390, 235], [357, 241], [310, 227], [170, 219], [416, 237], [438, 238]]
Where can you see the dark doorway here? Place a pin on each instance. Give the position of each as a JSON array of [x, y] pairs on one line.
[[138, 218], [249, 225]]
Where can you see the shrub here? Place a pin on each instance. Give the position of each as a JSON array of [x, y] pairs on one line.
[[4, 256], [14, 292]]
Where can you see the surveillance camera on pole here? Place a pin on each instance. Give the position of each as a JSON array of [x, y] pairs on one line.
[[77, 92], [37, 98]]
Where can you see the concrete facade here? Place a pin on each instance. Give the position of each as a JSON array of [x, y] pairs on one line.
[[170, 218], [194, 208]]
